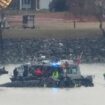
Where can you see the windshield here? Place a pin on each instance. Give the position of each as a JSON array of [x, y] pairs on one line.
[[72, 70]]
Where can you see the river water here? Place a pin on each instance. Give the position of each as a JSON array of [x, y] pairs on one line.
[[55, 96]]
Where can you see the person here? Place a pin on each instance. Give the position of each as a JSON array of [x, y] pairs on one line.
[[15, 73], [55, 75], [65, 67], [38, 72], [25, 73], [64, 72]]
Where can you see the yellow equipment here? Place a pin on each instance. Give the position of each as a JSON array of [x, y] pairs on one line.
[[4, 3]]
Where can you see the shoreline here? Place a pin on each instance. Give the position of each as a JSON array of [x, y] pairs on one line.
[[20, 33]]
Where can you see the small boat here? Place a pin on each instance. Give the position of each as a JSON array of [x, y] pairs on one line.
[[53, 75]]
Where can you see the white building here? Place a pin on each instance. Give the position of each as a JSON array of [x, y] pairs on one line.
[[34, 4], [44, 4]]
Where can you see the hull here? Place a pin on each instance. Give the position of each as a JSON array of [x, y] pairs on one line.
[[49, 82]]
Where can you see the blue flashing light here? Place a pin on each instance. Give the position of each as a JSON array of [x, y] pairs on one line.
[[55, 90], [54, 64]]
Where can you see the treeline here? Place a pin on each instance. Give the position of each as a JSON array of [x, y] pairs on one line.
[[81, 7]]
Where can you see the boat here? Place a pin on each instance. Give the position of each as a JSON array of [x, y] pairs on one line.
[[51, 74]]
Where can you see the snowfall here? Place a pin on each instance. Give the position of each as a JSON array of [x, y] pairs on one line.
[[56, 96]]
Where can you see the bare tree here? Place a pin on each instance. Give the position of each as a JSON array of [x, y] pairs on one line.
[[76, 7], [80, 8], [100, 7]]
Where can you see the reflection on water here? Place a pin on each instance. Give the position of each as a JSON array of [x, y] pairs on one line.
[[55, 90]]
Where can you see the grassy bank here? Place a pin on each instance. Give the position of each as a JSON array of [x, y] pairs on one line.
[[55, 33], [56, 29]]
